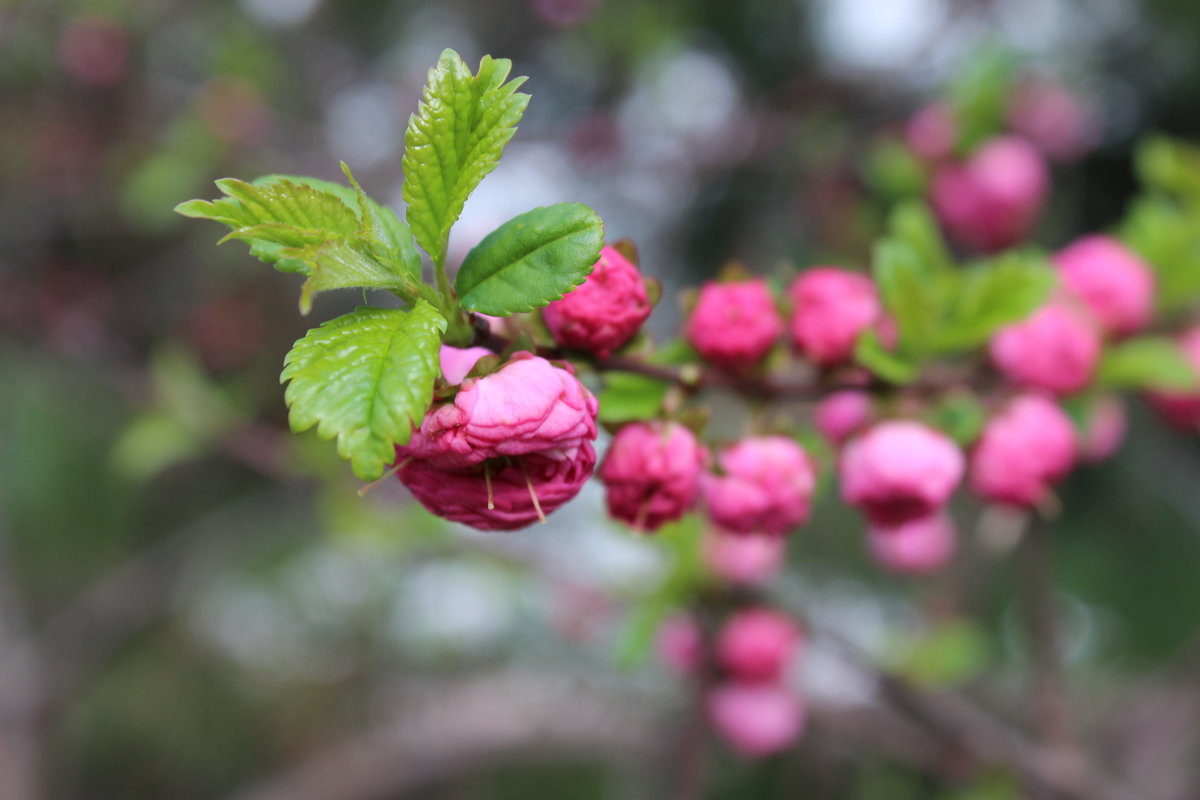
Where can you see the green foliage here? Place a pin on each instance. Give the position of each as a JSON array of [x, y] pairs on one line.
[[979, 97], [1170, 167], [894, 171], [628, 396], [959, 415], [454, 140], [951, 654], [1168, 238], [365, 377], [337, 237], [890, 366], [992, 295], [531, 260], [913, 223], [1147, 362]]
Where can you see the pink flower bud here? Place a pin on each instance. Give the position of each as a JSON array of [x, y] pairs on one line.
[[931, 132], [842, 413], [832, 307], [899, 471], [603, 313], [1182, 409], [993, 200], [1023, 451], [756, 720], [1105, 430], [734, 325], [1052, 118], [520, 489], [680, 645], [744, 558], [918, 546], [1055, 348], [1114, 284], [651, 473], [527, 406], [458, 361], [766, 487], [757, 646]]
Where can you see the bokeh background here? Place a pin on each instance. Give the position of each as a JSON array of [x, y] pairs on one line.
[[196, 604]]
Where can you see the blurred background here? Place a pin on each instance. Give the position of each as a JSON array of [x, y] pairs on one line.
[[196, 604]]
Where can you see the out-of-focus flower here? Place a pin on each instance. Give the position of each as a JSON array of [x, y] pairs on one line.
[[680, 645], [766, 486], [1053, 118], [1104, 431], [832, 307], [842, 413], [899, 471], [1115, 285], [931, 132], [734, 324], [1056, 348], [1182, 409], [651, 473], [993, 200], [758, 645], [94, 50], [756, 720], [1023, 451], [745, 558], [918, 546]]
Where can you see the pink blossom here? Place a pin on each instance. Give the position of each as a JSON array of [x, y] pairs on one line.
[[1104, 431], [527, 406], [1052, 118], [1056, 348], [931, 132], [918, 546], [603, 313], [899, 471], [756, 720], [842, 413], [651, 473], [832, 306], [516, 488], [766, 487], [458, 361], [745, 558], [680, 645], [993, 200], [1114, 284], [1182, 409], [734, 325], [757, 645], [1023, 451]]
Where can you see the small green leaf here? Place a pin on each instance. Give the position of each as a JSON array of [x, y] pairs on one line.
[[629, 396], [959, 415], [914, 224], [1147, 362], [894, 171], [367, 378], [283, 212], [531, 260], [1168, 238], [910, 292], [892, 367], [1169, 166], [454, 140], [992, 295], [979, 97], [949, 655]]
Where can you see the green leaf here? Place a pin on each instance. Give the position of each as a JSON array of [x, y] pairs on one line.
[[531, 260], [367, 378], [894, 171], [959, 415], [910, 291], [629, 396], [992, 295], [949, 655], [979, 97], [1147, 362], [335, 235], [1169, 166], [454, 140], [1168, 238], [892, 367], [913, 223]]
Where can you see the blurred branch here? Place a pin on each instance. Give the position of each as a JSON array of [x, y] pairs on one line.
[[450, 731]]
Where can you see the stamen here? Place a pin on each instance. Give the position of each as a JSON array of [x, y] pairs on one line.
[[536, 505], [487, 478], [363, 491]]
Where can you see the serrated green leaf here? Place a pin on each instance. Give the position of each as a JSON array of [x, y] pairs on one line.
[[992, 295], [1147, 362], [892, 367], [454, 140], [531, 260], [335, 235], [366, 378], [628, 396]]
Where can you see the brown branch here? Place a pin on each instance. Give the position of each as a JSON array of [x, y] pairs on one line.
[[1048, 701]]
